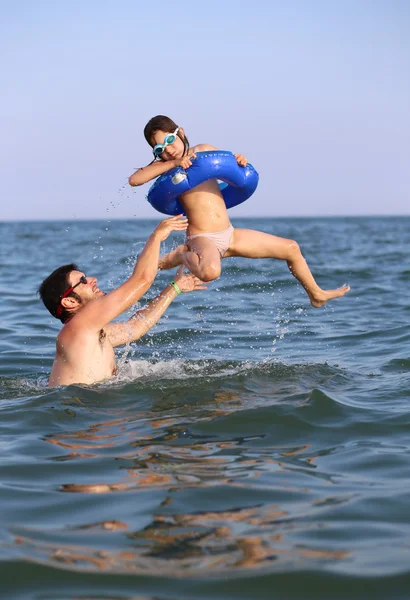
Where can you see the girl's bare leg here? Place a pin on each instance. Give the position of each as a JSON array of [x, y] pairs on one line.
[[200, 256], [203, 259], [256, 244], [172, 259]]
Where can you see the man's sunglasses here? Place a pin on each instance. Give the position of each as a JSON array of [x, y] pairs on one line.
[[168, 139], [59, 310]]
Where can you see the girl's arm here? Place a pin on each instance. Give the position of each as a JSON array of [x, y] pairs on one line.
[[151, 171], [155, 169]]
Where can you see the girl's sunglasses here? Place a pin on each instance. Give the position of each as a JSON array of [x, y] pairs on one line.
[[168, 139], [59, 310]]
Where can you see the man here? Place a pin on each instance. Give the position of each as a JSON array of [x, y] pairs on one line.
[[85, 344]]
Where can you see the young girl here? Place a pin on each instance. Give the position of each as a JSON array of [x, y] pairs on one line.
[[210, 235]]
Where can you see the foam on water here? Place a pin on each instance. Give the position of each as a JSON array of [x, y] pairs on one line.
[[178, 369]]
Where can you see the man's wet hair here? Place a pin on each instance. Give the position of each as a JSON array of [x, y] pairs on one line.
[[54, 286]]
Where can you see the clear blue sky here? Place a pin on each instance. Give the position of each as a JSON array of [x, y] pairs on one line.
[[315, 93]]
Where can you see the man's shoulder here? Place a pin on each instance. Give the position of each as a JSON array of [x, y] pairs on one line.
[[75, 329]]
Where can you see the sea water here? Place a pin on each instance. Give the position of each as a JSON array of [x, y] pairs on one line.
[[251, 446]]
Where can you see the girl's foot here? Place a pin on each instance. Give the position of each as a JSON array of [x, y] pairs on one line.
[[320, 298], [172, 259]]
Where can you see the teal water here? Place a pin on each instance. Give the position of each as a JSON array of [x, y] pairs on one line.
[[250, 447]]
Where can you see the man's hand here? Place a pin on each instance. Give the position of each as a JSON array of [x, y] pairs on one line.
[[188, 282], [178, 223], [241, 160], [186, 161]]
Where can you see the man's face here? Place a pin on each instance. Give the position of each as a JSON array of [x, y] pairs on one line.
[[87, 291]]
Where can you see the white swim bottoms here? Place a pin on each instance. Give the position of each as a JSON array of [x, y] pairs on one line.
[[221, 239]]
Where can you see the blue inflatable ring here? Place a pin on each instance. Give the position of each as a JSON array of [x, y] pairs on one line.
[[238, 183]]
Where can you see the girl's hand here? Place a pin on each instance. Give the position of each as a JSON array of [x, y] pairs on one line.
[[186, 161], [178, 223], [241, 160]]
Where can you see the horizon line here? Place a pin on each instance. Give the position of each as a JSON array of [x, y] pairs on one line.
[[81, 219]]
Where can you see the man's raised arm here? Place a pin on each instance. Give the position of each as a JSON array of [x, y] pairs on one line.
[[144, 319], [101, 311]]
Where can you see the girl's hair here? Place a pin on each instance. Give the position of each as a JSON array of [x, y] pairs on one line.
[[162, 123]]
